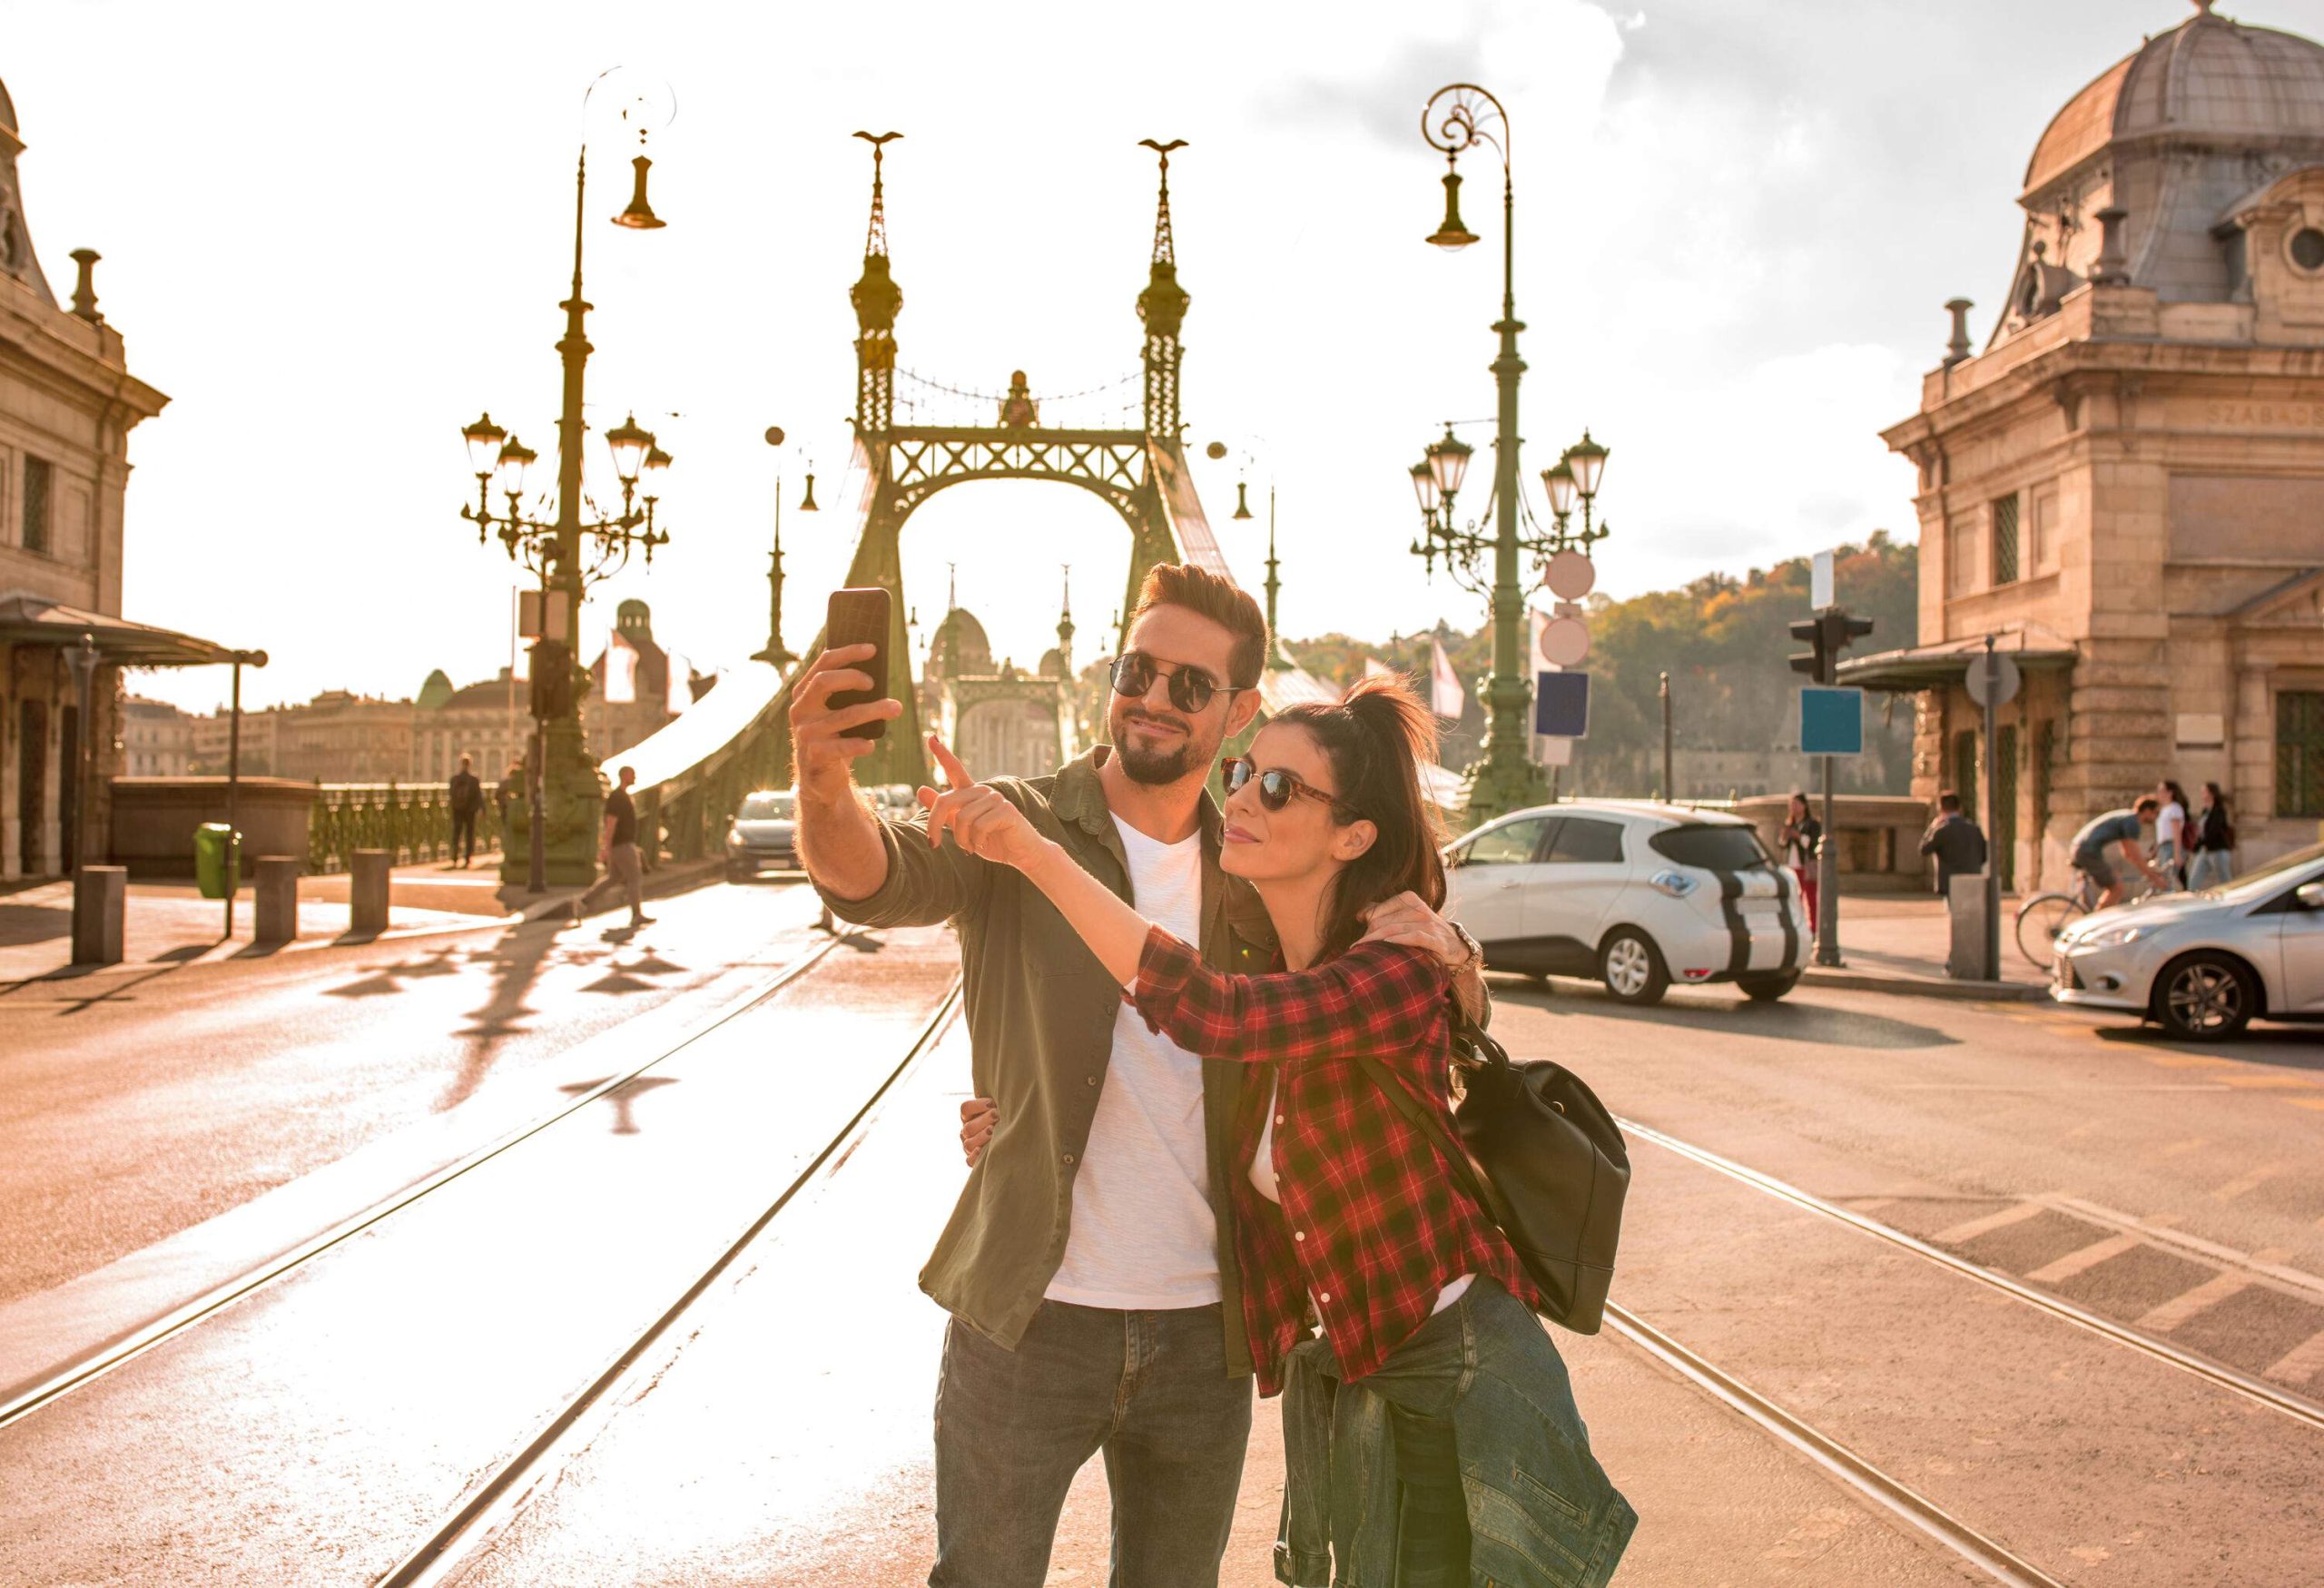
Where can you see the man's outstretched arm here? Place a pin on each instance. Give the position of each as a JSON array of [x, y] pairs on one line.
[[838, 840]]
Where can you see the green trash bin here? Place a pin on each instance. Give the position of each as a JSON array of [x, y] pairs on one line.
[[213, 843]]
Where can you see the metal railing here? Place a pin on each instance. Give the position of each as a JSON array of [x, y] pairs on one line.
[[412, 821]]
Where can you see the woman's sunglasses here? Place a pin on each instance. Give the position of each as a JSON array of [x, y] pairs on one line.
[[1277, 786], [1134, 673]]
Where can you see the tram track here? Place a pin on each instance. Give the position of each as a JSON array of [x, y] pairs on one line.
[[493, 1499], [2297, 1407], [80, 1372]]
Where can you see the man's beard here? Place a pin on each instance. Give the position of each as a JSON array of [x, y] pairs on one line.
[[1156, 768]]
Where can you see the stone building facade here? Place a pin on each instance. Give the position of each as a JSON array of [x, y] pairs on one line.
[[1000, 720], [2125, 484], [68, 404], [156, 739]]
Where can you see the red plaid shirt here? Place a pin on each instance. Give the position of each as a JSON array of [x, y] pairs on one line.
[[1372, 1224]]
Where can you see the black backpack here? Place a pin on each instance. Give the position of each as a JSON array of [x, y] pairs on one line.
[[1544, 1159]]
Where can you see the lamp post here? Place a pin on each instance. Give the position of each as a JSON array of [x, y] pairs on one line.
[[239, 659], [564, 850], [1457, 118]]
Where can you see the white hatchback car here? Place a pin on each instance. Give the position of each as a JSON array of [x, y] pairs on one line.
[[1636, 894], [2206, 965]]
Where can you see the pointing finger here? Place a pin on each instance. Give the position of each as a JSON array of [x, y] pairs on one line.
[[954, 772]]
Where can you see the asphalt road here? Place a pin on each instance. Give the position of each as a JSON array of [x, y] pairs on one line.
[[136, 1103], [781, 1436]]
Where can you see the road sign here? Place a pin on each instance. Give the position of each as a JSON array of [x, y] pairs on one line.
[[1570, 574], [2004, 675], [1561, 705], [1831, 721], [1819, 582], [1550, 751], [1565, 642]]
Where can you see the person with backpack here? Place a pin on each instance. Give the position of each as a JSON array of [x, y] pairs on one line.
[[1343, 1197], [2214, 842], [1801, 840], [1957, 844]]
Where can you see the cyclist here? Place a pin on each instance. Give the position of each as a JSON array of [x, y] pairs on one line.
[[2116, 831]]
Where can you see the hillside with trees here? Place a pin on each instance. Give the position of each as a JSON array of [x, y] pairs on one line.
[[1735, 703]]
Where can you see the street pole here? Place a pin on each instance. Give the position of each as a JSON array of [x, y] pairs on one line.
[[1669, 788], [1827, 880], [233, 793], [565, 736], [1991, 662]]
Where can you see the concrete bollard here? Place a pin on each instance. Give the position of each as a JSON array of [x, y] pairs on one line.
[[278, 897], [1965, 959], [367, 892], [100, 910]]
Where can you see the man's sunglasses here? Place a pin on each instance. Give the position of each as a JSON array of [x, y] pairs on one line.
[[1277, 786], [1134, 673]]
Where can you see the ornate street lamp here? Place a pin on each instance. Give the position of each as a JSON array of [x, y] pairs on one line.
[[1458, 118], [560, 771]]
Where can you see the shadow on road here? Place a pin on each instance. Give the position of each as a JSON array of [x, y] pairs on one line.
[[1784, 1022], [2286, 1047]]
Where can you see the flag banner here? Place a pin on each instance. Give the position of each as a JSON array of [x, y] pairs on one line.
[[1446, 698], [621, 671]]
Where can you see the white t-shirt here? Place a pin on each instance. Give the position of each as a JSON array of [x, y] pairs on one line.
[[2167, 821], [1143, 1235]]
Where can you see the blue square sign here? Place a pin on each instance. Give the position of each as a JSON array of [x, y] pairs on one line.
[[1561, 705], [1831, 721]]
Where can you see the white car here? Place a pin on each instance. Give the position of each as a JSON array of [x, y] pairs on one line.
[[2206, 965], [1639, 895]]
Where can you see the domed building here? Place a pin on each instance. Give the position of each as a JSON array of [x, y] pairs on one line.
[[2126, 485], [1001, 720]]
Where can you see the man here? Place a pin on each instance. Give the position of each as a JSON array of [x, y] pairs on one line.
[[1957, 842], [1089, 1267], [2116, 831], [467, 798], [617, 853], [1802, 838]]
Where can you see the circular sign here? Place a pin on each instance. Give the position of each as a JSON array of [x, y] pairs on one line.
[[1215, 451], [1565, 642], [2004, 688], [774, 435], [1570, 574]]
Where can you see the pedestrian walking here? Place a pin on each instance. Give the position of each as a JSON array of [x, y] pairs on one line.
[[2170, 831], [511, 789], [1095, 1268], [1802, 840], [2213, 843], [467, 800], [1432, 1387], [618, 852], [1957, 844]]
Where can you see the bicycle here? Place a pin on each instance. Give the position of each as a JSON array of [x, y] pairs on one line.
[[2043, 919]]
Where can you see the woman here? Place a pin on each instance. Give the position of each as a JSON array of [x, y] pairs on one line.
[[1429, 1344], [2214, 842], [1801, 838]]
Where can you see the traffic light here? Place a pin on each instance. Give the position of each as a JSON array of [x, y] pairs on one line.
[[1817, 662], [1827, 633], [551, 678]]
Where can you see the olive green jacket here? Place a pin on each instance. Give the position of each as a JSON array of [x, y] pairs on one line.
[[1042, 1010]]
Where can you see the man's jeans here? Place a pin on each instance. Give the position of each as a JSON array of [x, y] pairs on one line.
[[1012, 1427]]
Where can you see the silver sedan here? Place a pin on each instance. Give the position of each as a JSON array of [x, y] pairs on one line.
[[2204, 965]]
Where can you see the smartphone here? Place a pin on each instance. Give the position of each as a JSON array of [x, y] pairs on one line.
[[859, 617]]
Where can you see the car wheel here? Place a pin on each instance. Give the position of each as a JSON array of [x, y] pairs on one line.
[[2205, 995], [1768, 989], [735, 874], [1632, 969]]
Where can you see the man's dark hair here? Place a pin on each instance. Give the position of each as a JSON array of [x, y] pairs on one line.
[[1948, 801], [1218, 598], [2148, 805]]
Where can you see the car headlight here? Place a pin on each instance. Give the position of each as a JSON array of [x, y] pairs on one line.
[[733, 839], [2113, 937], [1677, 884]]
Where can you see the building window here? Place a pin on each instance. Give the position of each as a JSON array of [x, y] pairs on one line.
[[2005, 539], [2300, 753], [38, 476], [2307, 249]]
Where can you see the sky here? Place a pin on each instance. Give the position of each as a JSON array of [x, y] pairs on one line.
[[332, 235]]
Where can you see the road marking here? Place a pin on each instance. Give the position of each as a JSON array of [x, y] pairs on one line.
[[1991, 1221], [2082, 1259], [2180, 1307], [2247, 1180], [2179, 1149], [2299, 1363]]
